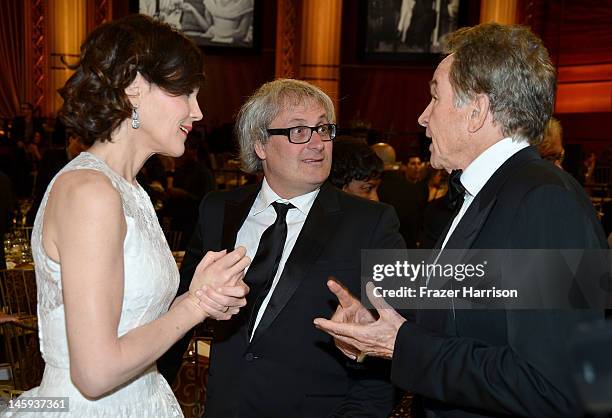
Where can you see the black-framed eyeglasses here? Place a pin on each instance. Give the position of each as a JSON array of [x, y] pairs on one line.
[[302, 134]]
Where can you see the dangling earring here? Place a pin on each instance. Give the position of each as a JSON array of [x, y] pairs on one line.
[[135, 120]]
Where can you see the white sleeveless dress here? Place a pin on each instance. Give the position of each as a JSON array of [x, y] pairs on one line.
[[151, 280]]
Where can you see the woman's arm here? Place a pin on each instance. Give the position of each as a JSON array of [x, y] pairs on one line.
[[84, 229]]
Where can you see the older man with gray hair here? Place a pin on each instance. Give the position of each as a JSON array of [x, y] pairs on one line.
[[269, 361], [491, 98]]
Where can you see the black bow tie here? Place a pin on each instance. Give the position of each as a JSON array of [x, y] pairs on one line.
[[456, 191]]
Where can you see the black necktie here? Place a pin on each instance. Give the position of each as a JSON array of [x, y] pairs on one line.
[[261, 273], [456, 191]]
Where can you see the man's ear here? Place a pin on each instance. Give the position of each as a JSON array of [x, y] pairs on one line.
[[260, 150], [133, 90], [479, 112]]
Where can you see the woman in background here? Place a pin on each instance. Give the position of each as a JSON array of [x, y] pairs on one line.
[[356, 169]]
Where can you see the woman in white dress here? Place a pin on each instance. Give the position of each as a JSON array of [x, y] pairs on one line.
[[105, 274]]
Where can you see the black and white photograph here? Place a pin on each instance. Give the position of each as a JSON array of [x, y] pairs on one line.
[[408, 26], [219, 23]]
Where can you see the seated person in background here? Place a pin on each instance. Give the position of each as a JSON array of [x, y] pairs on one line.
[[437, 183], [356, 169], [413, 171], [588, 167], [408, 198], [192, 178], [440, 209], [387, 154], [551, 147], [33, 148], [191, 182], [418, 174], [26, 124]]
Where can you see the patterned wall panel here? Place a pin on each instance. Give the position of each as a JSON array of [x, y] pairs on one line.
[[286, 43], [38, 48], [98, 12]]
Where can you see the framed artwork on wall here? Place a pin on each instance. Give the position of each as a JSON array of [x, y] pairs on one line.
[[215, 24], [407, 30]]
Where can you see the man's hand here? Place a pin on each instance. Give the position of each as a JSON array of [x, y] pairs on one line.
[[359, 332], [349, 311]]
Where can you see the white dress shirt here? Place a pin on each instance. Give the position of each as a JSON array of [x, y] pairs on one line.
[[478, 173], [260, 217], [475, 176]]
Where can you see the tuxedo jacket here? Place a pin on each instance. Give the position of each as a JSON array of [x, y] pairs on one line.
[[291, 369], [485, 363]]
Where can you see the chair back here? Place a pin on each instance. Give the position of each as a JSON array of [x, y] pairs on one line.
[[22, 351], [20, 333], [18, 291]]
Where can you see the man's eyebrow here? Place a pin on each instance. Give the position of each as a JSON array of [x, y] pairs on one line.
[[296, 120], [322, 118]]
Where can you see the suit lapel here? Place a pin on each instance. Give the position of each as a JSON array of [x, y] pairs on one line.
[[470, 225], [472, 222], [468, 229], [234, 214], [319, 225]]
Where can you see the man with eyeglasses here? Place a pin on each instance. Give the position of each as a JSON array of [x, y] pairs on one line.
[[269, 360]]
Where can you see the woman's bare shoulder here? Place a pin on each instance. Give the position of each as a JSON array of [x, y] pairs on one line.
[[81, 204], [84, 189]]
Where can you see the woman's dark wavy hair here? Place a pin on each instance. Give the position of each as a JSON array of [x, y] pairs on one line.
[[353, 159], [95, 102]]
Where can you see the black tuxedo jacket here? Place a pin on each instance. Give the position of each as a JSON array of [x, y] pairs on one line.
[[291, 369], [477, 363]]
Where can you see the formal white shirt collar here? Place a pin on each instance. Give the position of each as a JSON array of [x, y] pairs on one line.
[[267, 196], [476, 175]]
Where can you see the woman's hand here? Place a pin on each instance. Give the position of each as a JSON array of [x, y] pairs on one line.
[[224, 302], [219, 268], [217, 286]]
